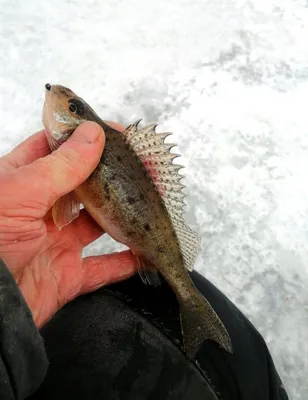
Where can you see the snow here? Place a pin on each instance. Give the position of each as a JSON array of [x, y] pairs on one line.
[[230, 79]]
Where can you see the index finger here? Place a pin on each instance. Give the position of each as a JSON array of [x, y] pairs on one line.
[[33, 148], [115, 125]]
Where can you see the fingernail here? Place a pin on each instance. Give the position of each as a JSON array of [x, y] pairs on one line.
[[87, 132]]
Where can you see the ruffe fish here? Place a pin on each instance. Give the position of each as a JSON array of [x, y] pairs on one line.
[[136, 196]]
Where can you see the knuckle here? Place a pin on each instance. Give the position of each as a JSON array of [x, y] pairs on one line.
[[68, 160], [70, 164]]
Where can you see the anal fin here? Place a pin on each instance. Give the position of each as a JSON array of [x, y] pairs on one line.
[[148, 275]]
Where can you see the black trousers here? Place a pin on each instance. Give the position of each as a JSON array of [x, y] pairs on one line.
[[123, 342]]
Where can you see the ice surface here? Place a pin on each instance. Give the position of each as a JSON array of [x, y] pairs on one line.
[[230, 79]]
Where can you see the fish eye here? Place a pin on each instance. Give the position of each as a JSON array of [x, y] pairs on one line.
[[73, 107], [76, 106]]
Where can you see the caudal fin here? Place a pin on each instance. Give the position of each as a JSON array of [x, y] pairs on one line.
[[199, 323]]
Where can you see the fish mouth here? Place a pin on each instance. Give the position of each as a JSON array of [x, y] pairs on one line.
[[56, 117], [48, 90], [48, 118]]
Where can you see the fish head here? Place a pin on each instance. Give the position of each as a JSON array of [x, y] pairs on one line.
[[63, 111]]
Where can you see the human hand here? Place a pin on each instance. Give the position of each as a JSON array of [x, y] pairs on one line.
[[47, 263]]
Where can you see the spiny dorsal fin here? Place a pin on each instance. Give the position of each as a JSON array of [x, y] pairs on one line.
[[155, 155]]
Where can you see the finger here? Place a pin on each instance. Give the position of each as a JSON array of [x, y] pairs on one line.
[[106, 269], [87, 229], [36, 146], [115, 126], [62, 171]]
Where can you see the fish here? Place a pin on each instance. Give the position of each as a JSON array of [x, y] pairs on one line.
[[136, 196]]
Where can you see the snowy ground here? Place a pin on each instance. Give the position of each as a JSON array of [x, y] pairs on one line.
[[230, 79]]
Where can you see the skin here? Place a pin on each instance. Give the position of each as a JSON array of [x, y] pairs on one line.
[[45, 262]]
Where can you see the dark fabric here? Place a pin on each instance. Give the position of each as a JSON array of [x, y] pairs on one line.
[[123, 342], [23, 361], [250, 372]]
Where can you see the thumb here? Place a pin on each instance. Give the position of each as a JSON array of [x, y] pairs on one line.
[[66, 168]]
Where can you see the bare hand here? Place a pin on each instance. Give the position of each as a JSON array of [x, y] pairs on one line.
[[47, 263]]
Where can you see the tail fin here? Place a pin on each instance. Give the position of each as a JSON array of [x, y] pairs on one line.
[[199, 323]]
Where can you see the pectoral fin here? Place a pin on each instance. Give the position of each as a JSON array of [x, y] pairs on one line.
[[65, 210]]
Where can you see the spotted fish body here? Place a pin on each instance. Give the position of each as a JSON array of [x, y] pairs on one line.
[[136, 196]]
